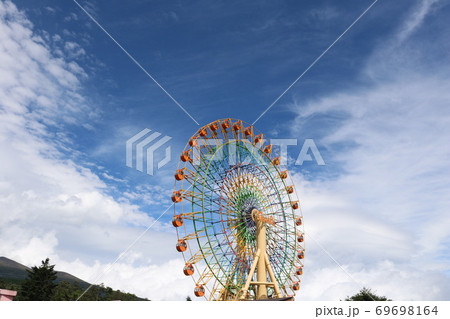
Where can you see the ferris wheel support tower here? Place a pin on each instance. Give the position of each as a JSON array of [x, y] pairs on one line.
[[261, 261]]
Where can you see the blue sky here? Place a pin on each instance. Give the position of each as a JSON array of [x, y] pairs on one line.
[[376, 106]]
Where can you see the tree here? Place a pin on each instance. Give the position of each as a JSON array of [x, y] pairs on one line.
[[66, 291], [11, 284], [3, 284], [40, 284], [365, 294]]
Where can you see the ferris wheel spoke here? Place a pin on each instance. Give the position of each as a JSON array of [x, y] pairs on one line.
[[283, 272], [194, 235], [200, 255]]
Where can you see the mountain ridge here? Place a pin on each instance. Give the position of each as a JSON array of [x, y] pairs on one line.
[[11, 269]]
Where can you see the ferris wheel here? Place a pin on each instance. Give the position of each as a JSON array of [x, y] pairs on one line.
[[238, 220]]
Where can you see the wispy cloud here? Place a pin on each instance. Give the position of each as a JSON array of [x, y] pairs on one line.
[[416, 19], [386, 214], [51, 203]]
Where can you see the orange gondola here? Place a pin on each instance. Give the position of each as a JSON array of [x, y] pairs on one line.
[[185, 156], [179, 175], [226, 124], [199, 291], [203, 132], [214, 127], [177, 221], [258, 138], [176, 197], [181, 245], [276, 161], [193, 142], [188, 270]]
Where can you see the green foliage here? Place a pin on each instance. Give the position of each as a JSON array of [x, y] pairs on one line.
[[40, 284], [11, 284], [102, 293], [3, 284], [365, 294], [66, 291]]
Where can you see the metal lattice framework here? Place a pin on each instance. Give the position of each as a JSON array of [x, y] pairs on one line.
[[227, 173]]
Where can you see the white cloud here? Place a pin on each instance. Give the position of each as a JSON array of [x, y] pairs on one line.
[[323, 13], [157, 282], [50, 204], [385, 217], [74, 50], [71, 17], [31, 250], [150, 195], [416, 19], [50, 9], [112, 178]]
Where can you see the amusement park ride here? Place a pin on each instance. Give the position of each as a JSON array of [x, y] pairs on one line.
[[237, 216]]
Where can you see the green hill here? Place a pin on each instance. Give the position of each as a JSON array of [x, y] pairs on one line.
[[10, 269], [13, 275]]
